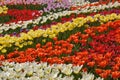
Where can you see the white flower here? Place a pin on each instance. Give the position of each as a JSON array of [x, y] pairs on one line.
[[13, 27], [5, 28], [99, 78], [86, 76], [7, 74], [54, 73], [56, 16], [76, 69], [68, 78], [51, 17], [47, 70], [67, 70], [44, 19], [1, 31], [24, 26], [34, 78], [19, 22], [42, 71], [18, 68]]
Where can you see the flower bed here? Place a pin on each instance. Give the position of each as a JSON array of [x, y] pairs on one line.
[[100, 54], [54, 17], [37, 36], [82, 44]]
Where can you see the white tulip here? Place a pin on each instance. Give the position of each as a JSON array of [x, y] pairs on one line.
[[67, 70], [76, 69]]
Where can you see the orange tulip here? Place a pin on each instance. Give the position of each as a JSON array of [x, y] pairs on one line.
[[103, 64], [104, 75], [91, 64], [38, 45], [116, 74], [108, 55], [2, 57], [84, 69], [49, 44], [55, 38], [115, 68], [98, 71], [76, 40]]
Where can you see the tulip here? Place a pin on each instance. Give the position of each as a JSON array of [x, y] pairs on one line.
[[116, 74]]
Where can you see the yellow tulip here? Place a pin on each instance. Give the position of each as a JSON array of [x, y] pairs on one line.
[[30, 42], [9, 45], [3, 50], [61, 30], [101, 23], [21, 46], [52, 36], [1, 10], [1, 47], [86, 25], [44, 40], [17, 44], [45, 35], [55, 31], [25, 43], [5, 12]]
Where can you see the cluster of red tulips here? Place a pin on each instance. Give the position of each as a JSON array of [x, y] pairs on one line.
[[23, 15]]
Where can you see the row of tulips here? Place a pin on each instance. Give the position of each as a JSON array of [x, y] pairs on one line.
[[8, 44], [37, 4], [90, 5], [96, 49], [81, 4], [19, 15], [53, 17], [12, 2], [43, 71], [17, 31], [23, 15]]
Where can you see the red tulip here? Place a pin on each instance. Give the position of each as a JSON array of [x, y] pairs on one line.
[[116, 74]]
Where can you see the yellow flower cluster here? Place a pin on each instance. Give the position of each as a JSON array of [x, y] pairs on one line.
[[3, 9], [26, 38]]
